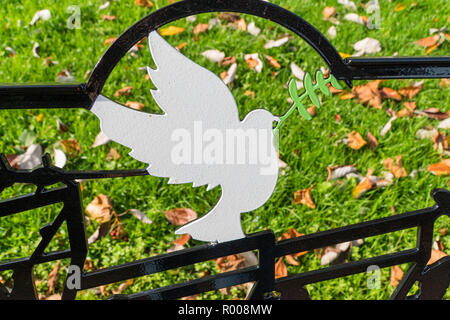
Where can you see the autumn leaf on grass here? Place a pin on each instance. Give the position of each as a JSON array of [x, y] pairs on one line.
[[113, 155], [53, 278], [71, 147], [183, 239], [369, 94], [100, 209], [355, 140], [109, 18], [180, 216], [396, 168], [396, 275], [440, 142], [363, 186], [144, 3], [407, 111], [135, 105], [410, 92], [273, 61], [170, 31], [428, 41], [304, 197], [292, 233], [126, 91], [433, 113], [328, 12], [123, 286], [388, 93], [280, 269], [109, 41], [436, 255], [254, 62], [372, 142], [200, 28], [440, 168]]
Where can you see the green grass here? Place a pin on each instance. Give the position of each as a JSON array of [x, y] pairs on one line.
[[78, 52]]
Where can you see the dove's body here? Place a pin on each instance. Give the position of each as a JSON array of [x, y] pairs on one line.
[[198, 105]]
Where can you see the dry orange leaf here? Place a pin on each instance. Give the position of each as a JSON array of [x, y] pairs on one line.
[[440, 168], [280, 269], [123, 286], [181, 46], [252, 63], [228, 61], [292, 233], [369, 94], [372, 142], [444, 83], [170, 31], [436, 255], [273, 62], [241, 24], [389, 93], [328, 12], [183, 239], [71, 147], [346, 96], [230, 263], [126, 91], [355, 140], [432, 48], [396, 275], [53, 277], [109, 40], [135, 105], [201, 27], [428, 41], [100, 209], [312, 111], [144, 3], [304, 197], [109, 18], [396, 169], [363, 186], [113, 155], [410, 91], [180, 216]]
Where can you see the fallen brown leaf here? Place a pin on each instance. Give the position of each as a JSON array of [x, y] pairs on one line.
[[396, 169], [135, 105], [435, 256], [328, 12], [123, 286], [304, 197], [109, 40], [180, 216], [355, 140], [388, 93], [273, 61], [369, 94], [71, 147], [363, 186], [126, 91], [113, 155], [372, 142], [428, 41], [100, 209], [183, 239], [144, 3], [109, 18], [53, 278], [440, 168], [410, 92], [200, 28], [280, 269], [396, 275]]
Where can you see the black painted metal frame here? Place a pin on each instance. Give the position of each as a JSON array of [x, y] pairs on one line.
[[434, 279]]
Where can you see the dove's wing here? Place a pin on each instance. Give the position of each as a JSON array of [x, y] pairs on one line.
[[185, 88], [189, 94]]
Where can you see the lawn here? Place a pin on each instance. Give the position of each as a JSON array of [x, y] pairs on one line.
[[308, 147]]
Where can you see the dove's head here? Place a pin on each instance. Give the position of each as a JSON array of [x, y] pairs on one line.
[[261, 118]]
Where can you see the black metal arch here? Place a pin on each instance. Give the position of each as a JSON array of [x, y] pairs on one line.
[[187, 8]]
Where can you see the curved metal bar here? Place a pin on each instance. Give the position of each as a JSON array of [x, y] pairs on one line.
[[187, 8]]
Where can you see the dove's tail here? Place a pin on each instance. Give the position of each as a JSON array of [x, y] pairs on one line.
[[218, 225]]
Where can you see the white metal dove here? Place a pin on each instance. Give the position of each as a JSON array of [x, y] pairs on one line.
[[200, 139]]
